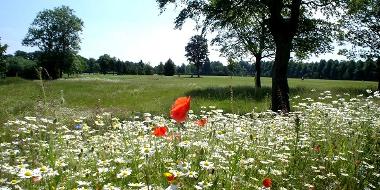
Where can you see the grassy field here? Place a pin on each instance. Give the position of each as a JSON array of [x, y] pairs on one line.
[[72, 141], [124, 95]]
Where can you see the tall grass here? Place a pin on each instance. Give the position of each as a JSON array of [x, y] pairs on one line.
[[127, 95]]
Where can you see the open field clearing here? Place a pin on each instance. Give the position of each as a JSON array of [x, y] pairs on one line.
[[125, 95]]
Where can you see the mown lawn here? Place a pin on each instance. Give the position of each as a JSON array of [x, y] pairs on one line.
[[124, 95]]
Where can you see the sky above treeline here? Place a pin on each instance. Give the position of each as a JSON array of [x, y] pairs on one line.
[[130, 30]]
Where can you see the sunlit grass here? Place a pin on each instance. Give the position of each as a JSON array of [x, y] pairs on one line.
[[125, 95]]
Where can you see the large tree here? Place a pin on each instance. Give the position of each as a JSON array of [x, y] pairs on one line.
[[197, 51], [56, 32], [105, 63], [3, 66], [241, 33], [362, 29], [291, 23]]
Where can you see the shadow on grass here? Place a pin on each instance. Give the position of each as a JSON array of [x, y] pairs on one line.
[[12, 80], [224, 93], [249, 92]]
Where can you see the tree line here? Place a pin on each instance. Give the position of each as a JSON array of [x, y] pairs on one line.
[[25, 64], [331, 69]]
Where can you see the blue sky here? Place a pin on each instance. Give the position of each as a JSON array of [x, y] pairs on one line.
[[127, 29]]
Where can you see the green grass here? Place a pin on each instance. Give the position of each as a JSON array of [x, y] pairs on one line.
[[124, 95]]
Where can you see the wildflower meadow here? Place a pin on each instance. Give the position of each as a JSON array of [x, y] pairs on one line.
[[332, 142]]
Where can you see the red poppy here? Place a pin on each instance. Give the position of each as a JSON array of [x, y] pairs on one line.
[[180, 108], [267, 182], [202, 122], [159, 131]]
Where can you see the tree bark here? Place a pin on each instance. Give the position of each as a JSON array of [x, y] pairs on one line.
[[258, 72], [280, 87], [378, 73], [198, 68]]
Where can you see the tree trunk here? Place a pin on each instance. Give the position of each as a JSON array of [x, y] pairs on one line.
[[258, 72], [198, 68], [283, 31], [378, 73], [280, 88]]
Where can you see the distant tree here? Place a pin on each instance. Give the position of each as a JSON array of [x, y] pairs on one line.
[[160, 69], [22, 54], [148, 69], [119, 67], [3, 65], [245, 68], [56, 33], [182, 69], [140, 68], [207, 68], [92, 66], [112, 65], [197, 51], [78, 65], [217, 68], [369, 70], [130, 68], [169, 68], [232, 66], [21, 67], [190, 69], [104, 62]]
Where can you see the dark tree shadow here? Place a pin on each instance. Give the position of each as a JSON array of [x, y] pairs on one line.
[[224, 93], [249, 92], [12, 80]]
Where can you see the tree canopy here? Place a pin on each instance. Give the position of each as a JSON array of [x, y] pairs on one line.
[[361, 27], [56, 32]]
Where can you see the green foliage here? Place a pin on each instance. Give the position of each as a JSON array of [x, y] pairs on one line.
[[19, 66], [105, 63], [78, 65], [362, 25], [92, 66], [197, 51], [3, 66], [331, 69], [56, 33], [169, 68], [148, 69], [159, 69], [241, 29]]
